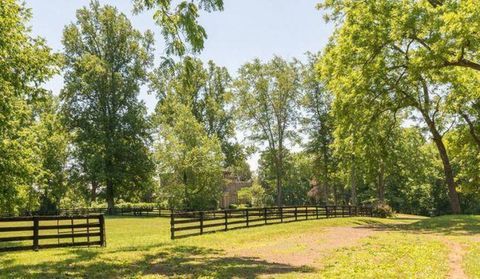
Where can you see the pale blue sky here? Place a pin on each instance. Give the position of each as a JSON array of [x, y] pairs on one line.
[[246, 29]]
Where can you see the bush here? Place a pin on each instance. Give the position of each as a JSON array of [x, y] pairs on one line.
[[383, 211]]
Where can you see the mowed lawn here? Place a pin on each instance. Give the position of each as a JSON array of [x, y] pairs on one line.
[[139, 247]]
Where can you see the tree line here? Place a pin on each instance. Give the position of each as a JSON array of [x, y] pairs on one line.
[[387, 113]]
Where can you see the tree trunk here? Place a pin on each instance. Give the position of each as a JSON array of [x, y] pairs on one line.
[[381, 183], [279, 175], [325, 193], [335, 195], [447, 167], [353, 184], [94, 190], [325, 173], [110, 196]]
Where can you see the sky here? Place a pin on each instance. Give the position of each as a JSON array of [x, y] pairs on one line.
[[245, 30]]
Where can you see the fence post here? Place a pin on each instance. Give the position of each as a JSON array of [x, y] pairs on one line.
[[201, 221], [349, 211], [172, 225], [371, 211], [226, 220], [326, 211], [281, 214], [335, 211], [246, 216], [316, 210], [296, 213], [265, 215], [35, 233], [306, 212], [101, 220]]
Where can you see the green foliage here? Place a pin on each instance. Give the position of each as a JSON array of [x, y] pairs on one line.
[[253, 196], [25, 64], [266, 96], [106, 61], [393, 56], [297, 173], [178, 21], [189, 160], [205, 89], [383, 211]]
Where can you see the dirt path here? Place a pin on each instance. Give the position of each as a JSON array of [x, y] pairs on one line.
[[304, 250], [455, 260]]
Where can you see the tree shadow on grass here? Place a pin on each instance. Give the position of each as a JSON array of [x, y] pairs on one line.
[[454, 225], [170, 261], [191, 261]]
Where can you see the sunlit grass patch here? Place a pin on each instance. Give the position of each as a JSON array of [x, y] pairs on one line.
[[472, 259], [389, 255]]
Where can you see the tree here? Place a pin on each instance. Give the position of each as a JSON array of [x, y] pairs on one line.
[[53, 140], [189, 160], [206, 91], [178, 21], [377, 56], [318, 124], [267, 95], [25, 64], [106, 61]]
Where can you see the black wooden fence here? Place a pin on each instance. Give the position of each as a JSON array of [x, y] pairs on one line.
[[39, 232], [121, 211], [183, 224]]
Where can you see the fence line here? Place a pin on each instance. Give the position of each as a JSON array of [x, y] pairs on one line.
[[40, 232], [183, 224], [122, 211]]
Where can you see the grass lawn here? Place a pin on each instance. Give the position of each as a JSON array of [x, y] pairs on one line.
[[402, 247]]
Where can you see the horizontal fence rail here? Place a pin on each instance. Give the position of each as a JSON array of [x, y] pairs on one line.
[[40, 232], [121, 211], [183, 224]]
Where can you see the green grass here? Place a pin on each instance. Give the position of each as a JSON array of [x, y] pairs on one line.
[[403, 247]]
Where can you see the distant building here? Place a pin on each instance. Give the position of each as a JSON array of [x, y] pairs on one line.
[[232, 185]]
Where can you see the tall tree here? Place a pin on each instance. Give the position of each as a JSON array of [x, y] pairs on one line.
[[375, 55], [53, 140], [25, 64], [318, 124], [106, 61], [206, 91], [189, 160], [267, 96]]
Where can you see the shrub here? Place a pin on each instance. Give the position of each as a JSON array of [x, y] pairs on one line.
[[383, 211]]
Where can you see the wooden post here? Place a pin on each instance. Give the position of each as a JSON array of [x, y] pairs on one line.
[[265, 215], [326, 211], [172, 225], [316, 210], [349, 211], [296, 214], [88, 231], [281, 214], [71, 223], [335, 211], [35, 233], [201, 221], [226, 220], [101, 220], [246, 216]]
